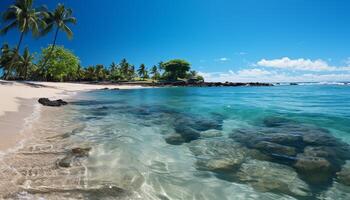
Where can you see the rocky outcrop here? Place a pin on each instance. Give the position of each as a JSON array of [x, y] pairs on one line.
[[313, 152], [268, 176], [53, 103]]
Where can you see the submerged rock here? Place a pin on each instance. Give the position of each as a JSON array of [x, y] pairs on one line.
[[344, 174], [335, 192], [174, 139], [54, 103], [81, 152], [211, 133], [198, 123], [187, 133], [313, 152], [219, 156], [272, 177], [222, 164], [272, 149], [78, 152], [276, 121], [315, 170], [66, 161]]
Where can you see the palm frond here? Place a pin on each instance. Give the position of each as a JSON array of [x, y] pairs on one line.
[[9, 14], [72, 20], [68, 31], [8, 27], [47, 29]]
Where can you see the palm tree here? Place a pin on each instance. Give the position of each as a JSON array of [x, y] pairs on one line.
[[124, 68], [59, 19], [24, 63], [113, 67], [90, 73], [99, 72], [142, 71], [131, 73], [6, 57], [80, 73], [154, 72], [192, 74], [23, 16]]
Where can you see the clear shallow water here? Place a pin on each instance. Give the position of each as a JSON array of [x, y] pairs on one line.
[[155, 143]]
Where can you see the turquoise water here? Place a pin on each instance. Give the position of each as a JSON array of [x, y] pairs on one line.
[[281, 142]]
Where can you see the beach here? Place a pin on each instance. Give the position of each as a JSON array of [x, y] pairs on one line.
[[26, 147], [19, 101]]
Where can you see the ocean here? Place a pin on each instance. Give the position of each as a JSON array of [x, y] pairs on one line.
[[280, 142]]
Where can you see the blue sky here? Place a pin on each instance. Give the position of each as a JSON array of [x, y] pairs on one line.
[[234, 40]]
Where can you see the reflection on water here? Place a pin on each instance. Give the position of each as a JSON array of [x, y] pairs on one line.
[[286, 142]]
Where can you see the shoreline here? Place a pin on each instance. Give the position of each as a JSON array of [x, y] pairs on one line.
[[19, 104], [11, 137]]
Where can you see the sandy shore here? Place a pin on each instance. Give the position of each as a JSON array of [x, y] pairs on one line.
[[19, 101]]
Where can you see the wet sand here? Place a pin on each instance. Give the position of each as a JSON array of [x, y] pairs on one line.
[[10, 131], [32, 170], [18, 100], [33, 140]]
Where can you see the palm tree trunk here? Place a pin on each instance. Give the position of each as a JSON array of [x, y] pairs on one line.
[[25, 72], [14, 56], [51, 50], [20, 41]]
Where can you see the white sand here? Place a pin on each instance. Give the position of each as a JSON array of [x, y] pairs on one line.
[[11, 92], [17, 100]]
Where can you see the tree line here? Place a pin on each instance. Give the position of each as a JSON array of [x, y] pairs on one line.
[[56, 63]]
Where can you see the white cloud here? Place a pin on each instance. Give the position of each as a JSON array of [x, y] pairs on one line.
[[253, 72], [297, 64], [258, 75], [347, 61], [285, 70], [223, 59]]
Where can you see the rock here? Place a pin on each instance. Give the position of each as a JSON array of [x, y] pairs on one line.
[[316, 137], [314, 153], [81, 152], [319, 151], [220, 156], [344, 175], [335, 192], [274, 149], [211, 133], [187, 133], [315, 170], [174, 139], [284, 139], [197, 123], [276, 121], [66, 161], [54, 103], [223, 164], [272, 177]]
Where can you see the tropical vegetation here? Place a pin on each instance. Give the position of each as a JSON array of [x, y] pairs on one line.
[[56, 63]]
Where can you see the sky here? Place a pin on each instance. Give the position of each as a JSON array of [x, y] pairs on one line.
[[225, 40]]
